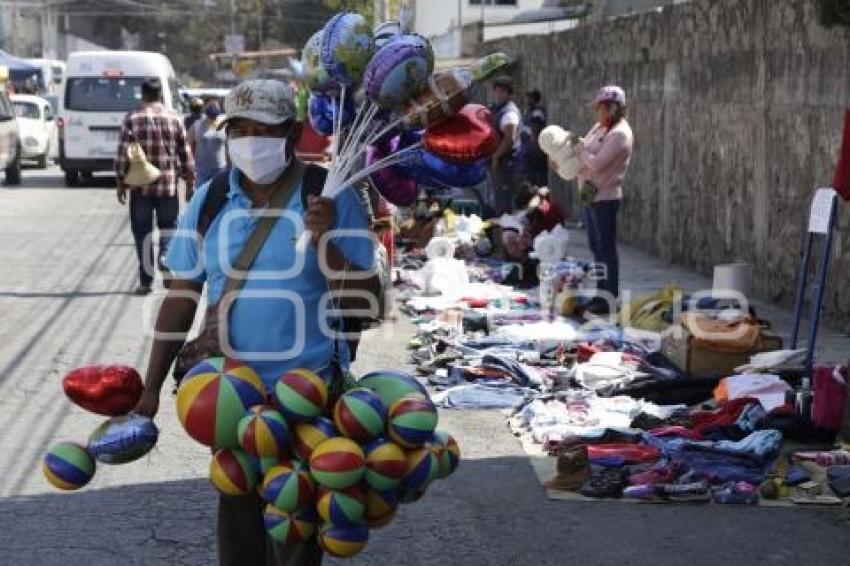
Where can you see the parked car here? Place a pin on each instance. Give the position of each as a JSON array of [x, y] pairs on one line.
[[10, 143], [37, 126]]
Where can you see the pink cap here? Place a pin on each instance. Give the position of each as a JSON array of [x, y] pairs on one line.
[[610, 93]]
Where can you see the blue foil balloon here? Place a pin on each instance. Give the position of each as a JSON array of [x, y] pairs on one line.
[[346, 47], [439, 172], [123, 439], [323, 109]]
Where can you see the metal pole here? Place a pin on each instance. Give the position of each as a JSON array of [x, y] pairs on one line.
[[232, 17], [15, 16], [260, 26], [802, 283], [817, 304]]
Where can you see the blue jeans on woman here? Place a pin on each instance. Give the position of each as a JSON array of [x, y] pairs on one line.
[[601, 220]]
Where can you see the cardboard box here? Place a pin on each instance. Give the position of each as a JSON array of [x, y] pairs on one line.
[[677, 346]]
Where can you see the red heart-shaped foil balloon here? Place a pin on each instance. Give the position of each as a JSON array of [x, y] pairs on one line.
[[464, 138], [106, 390]]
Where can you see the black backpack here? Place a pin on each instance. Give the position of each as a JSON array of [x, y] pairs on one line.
[[312, 184]]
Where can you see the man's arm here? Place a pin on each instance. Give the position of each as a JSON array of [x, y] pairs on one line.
[[124, 138], [185, 153], [176, 315], [506, 145]]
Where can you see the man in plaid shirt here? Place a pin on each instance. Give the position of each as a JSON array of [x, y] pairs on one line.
[[161, 134]]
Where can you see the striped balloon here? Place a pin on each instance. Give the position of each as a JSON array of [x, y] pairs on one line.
[[409, 495], [301, 395], [343, 541], [392, 385], [412, 421], [381, 507], [360, 415], [386, 464], [68, 466], [422, 469], [344, 507], [290, 528], [338, 463], [232, 472], [447, 451], [263, 465], [289, 488], [214, 396], [263, 432], [309, 435]]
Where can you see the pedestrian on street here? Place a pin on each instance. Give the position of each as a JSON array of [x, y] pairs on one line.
[[161, 135], [271, 334], [207, 143], [534, 108], [605, 154], [534, 161], [507, 120], [196, 106]]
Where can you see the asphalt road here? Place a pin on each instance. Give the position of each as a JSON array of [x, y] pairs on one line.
[[67, 269]]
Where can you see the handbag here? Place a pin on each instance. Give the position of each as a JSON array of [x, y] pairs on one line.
[[208, 344]]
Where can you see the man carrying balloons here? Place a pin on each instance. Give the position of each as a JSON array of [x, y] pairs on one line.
[[274, 317]]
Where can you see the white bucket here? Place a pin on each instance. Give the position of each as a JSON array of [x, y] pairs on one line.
[[735, 277]]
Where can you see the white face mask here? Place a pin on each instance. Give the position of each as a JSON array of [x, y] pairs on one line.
[[262, 159]]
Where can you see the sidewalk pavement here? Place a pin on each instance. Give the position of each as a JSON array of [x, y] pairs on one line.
[[641, 273]]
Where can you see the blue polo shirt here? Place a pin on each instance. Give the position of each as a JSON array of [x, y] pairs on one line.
[[275, 324]]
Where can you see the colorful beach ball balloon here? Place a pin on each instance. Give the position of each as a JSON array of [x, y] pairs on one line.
[[345, 507], [408, 495], [360, 415], [307, 436], [214, 396], [412, 420], [263, 432], [381, 507], [233, 472], [290, 528], [68, 466], [338, 463], [447, 450], [392, 385], [343, 541], [289, 488], [263, 465], [301, 395], [386, 464], [422, 469]]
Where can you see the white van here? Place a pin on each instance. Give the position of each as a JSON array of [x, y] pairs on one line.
[[98, 90]]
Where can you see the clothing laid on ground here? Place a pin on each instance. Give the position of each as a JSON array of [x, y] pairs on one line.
[[277, 323], [161, 134]]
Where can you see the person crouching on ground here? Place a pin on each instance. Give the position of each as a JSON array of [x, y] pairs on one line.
[[605, 154], [263, 332]]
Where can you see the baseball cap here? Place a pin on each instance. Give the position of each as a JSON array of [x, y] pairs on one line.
[[264, 101], [610, 93]]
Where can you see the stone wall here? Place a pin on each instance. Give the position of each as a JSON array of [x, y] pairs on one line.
[[736, 107]]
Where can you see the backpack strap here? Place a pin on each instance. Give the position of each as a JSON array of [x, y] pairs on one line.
[[216, 198]]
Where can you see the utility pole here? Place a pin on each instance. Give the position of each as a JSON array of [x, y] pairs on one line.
[[260, 25], [15, 24]]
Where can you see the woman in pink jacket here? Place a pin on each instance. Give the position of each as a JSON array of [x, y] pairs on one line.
[[605, 154]]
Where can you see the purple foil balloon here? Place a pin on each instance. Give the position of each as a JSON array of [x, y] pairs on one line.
[[391, 182]]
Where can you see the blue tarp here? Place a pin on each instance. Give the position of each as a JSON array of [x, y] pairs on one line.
[[19, 70]]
